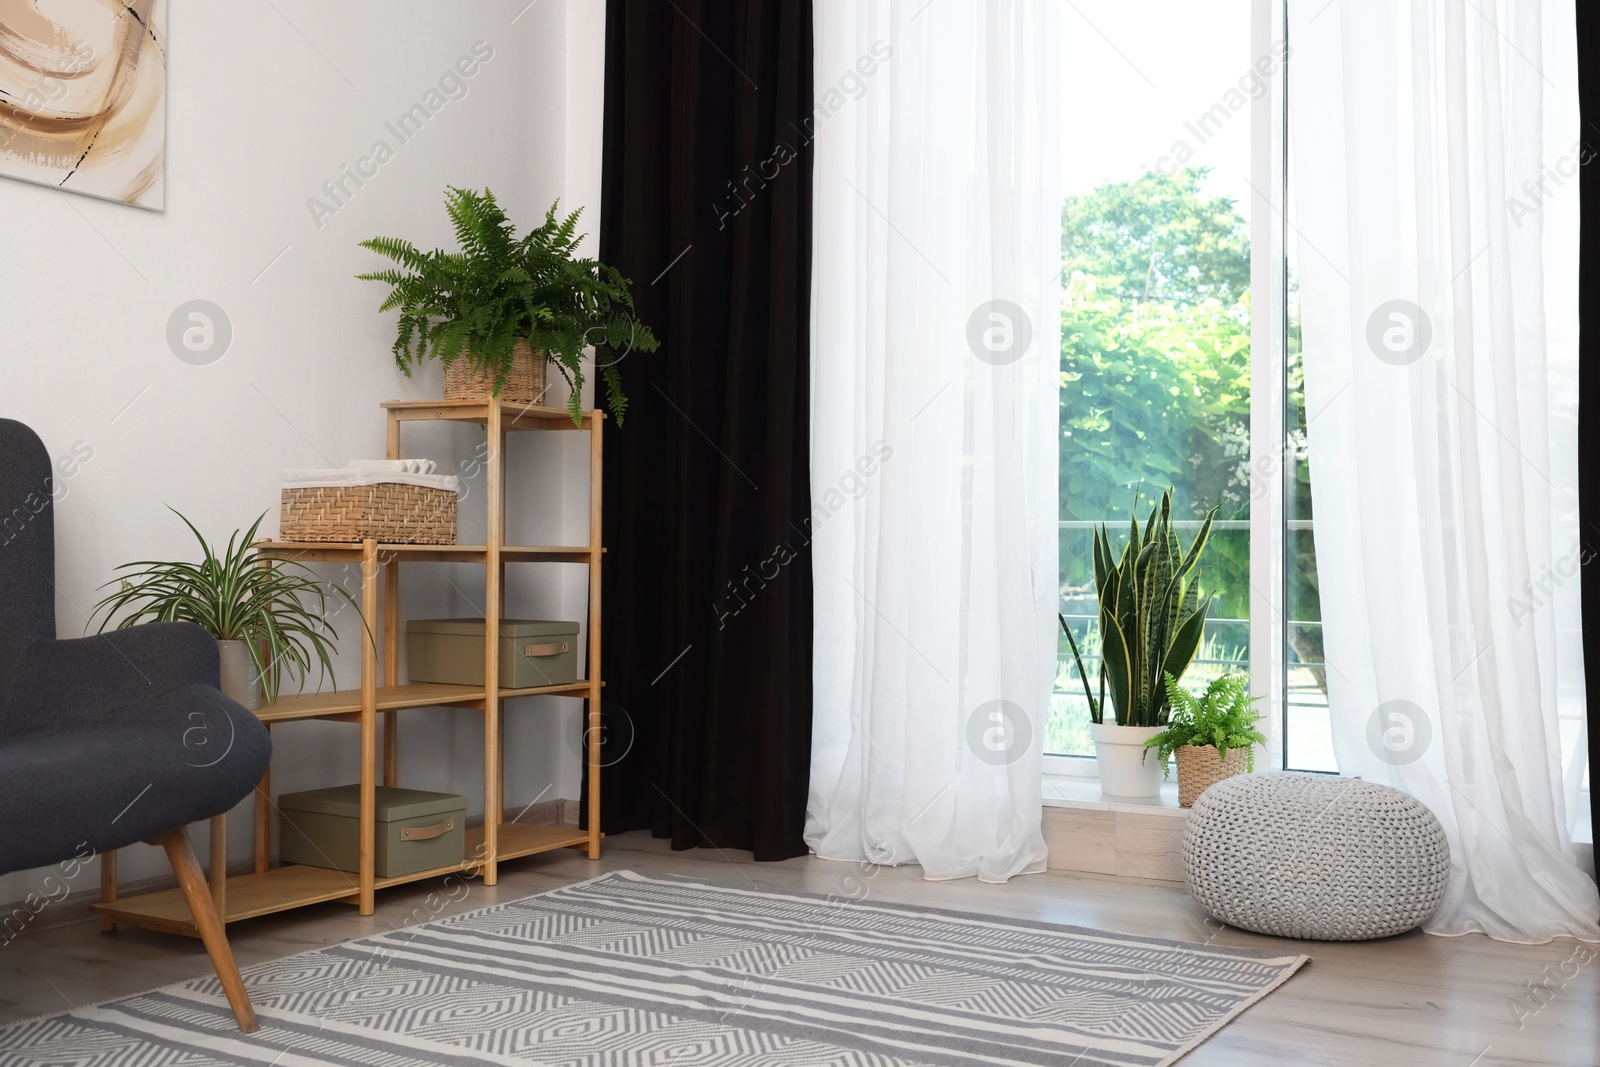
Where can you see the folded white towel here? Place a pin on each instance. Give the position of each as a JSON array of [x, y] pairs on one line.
[[403, 466], [294, 478]]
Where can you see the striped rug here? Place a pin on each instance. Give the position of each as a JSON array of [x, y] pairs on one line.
[[635, 969]]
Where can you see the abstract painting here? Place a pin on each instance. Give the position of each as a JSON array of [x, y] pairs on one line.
[[83, 96]]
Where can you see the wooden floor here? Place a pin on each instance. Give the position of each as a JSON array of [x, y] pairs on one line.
[[1413, 1001]]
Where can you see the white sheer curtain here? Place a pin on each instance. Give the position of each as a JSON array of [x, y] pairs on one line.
[[934, 470], [1434, 167]]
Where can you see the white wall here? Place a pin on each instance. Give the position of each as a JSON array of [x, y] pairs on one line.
[[263, 108]]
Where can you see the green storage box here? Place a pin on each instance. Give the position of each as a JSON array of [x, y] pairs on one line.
[[533, 652], [416, 831]]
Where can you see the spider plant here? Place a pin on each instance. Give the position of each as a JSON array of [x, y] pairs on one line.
[[277, 608], [1151, 616]]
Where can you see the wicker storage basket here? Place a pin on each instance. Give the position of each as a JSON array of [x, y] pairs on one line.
[[1199, 769], [395, 513], [524, 382]]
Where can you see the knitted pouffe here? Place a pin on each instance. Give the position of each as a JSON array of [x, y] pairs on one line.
[[1314, 856]]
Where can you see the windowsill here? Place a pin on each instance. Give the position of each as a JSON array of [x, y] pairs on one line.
[[1072, 791]]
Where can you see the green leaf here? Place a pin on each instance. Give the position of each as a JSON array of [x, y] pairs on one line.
[[1119, 668], [1094, 709], [1186, 641]]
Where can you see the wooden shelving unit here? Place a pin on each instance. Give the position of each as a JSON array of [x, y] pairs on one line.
[[379, 702]]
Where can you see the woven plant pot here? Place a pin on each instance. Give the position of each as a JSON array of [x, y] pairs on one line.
[[524, 383], [1199, 768]]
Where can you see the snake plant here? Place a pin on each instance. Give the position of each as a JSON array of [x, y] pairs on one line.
[[1151, 617]]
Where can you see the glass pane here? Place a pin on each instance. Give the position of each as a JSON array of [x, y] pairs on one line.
[[1155, 324]]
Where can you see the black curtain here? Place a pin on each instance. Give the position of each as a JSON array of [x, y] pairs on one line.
[[706, 205], [1588, 385]]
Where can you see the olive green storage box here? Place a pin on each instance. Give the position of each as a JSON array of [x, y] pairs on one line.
[[416, 831], [533, 652]]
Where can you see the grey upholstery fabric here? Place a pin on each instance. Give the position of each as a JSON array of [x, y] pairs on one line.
[[104, 740], [78, 680], [27, 543]]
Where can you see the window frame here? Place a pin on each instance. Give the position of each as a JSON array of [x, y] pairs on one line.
[[1269, 166], [1268, 417]]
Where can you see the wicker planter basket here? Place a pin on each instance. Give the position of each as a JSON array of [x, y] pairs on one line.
[[395, 513], [1199, 769], [524, 383]]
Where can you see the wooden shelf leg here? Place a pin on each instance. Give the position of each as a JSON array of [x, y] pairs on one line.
[[108, 888], [494, 592], [596, 544], [219, 864], [391, 749], [209, 926], [500, 744], [391, 659], [369, 730], [264, 820]]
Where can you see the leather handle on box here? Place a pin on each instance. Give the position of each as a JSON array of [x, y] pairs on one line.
[[555, 648], [425, 833]]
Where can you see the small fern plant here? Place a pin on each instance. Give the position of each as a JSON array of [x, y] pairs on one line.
[[476, 303], [1224, 717]]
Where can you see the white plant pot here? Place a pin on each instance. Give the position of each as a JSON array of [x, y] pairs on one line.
[[239, 680], [1127, 768]]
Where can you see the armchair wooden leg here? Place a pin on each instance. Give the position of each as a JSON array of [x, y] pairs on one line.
[[209, 925]]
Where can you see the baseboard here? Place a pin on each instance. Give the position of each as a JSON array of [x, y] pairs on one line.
[[75, 906], [557, 812]]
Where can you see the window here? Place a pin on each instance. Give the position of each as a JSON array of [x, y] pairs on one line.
[[1169, 286]]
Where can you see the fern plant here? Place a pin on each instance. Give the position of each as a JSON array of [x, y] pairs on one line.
[[586, 304], [473, 303], [476, 303], [1223, 717], [1151, 616]]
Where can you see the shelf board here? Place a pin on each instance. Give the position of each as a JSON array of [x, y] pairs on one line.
[[580, 688], [514, 414], [343, 702], [286, 888], [352, 552], [526, 839], [436, 872], [545, 553], [248, 896], [346, 703]]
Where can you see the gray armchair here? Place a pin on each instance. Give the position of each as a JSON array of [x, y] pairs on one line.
[[113, 739]]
